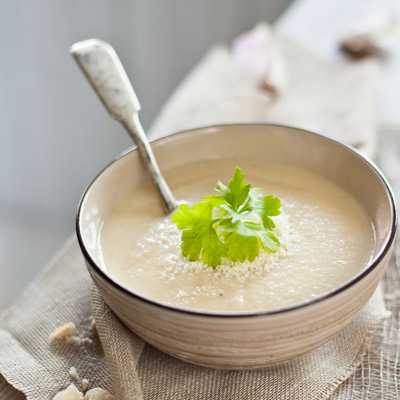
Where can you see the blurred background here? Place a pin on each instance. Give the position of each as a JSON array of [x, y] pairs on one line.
[[54, 133]]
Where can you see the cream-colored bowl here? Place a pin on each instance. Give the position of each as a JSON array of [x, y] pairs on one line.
[[251, 339]]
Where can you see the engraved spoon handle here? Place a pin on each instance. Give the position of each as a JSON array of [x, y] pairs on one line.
[[103, 69]]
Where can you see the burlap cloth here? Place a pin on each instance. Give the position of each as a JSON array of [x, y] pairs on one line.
[[113, 358]]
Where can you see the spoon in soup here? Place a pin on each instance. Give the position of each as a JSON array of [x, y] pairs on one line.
[[103, 69]]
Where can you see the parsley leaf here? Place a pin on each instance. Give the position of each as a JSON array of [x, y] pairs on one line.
[[207, 205], [264, 207], [235, 224], [236, 193], [199, 236], [245, 238]]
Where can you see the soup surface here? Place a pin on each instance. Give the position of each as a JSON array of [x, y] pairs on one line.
[[326, 238]]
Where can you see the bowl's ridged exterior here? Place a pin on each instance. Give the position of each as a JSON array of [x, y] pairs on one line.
[[257, 339]]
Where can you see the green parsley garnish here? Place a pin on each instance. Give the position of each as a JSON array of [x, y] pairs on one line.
[[234, 224]]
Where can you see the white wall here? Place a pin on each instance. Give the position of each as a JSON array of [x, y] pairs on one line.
[[54, 134]]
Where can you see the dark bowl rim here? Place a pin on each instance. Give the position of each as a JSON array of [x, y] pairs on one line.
[[243, 314]]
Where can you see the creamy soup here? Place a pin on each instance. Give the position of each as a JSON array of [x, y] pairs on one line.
[[326, 238]]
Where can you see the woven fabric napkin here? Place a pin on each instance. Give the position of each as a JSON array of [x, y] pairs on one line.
[[115, 359]]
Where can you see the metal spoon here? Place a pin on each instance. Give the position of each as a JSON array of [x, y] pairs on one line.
[[103, 69]]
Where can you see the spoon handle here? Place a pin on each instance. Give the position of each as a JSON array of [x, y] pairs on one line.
[[103, 69]]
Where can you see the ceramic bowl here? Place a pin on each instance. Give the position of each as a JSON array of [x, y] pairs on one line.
[[251, 339]]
